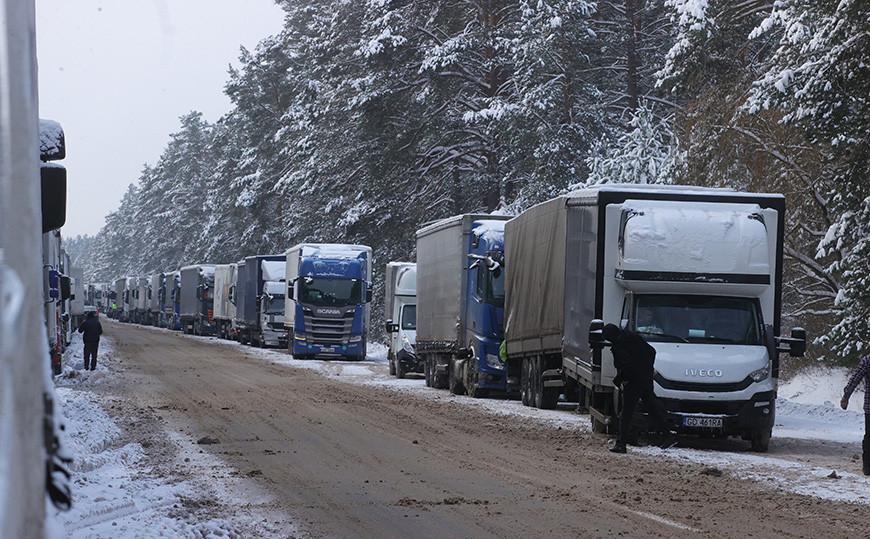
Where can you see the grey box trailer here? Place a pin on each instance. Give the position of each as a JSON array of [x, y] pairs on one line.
[[443, 250], [698, 262], [248, 308], [172, 303], [224, 308], [197, 299]]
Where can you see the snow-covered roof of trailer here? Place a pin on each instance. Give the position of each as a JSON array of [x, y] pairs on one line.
[[489, 229], [205, 269], [331, 250], [664, 189], [449, 221]]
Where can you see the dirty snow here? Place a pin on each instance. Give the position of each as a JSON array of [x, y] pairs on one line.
[[116, 493], [812, 436]]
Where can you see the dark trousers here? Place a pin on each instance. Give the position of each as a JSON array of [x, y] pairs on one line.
[[91, 355], [866, 444], [632, 392]]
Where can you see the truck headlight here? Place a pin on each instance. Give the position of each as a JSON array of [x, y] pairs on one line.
[[355, 338], [760, 374], [494, 362], [299, 337]]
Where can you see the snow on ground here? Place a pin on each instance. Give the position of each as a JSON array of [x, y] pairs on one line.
[[116, 492], [812, 436], [809, 407]]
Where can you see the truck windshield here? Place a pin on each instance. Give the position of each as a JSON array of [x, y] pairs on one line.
[[275, 305], [698, 319], [330, 292], [409, 317]]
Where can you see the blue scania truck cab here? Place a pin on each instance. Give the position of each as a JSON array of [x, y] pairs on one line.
[[328, 300], [460, 304]]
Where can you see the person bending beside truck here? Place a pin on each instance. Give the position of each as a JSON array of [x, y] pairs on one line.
[[861, 373], [91, 329], [634, 359]]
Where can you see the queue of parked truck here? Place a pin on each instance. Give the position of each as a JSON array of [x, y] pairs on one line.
[[514, 306]]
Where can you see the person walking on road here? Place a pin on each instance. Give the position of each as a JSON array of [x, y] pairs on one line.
[[634, 359], [861, 373], [91, 329]]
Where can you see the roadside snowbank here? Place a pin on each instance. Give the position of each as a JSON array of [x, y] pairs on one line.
[[809, 407], [116, 493]]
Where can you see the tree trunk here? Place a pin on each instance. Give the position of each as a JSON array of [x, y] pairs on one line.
[[632, 18]]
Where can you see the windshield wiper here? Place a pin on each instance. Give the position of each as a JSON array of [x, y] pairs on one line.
[[665, 336]]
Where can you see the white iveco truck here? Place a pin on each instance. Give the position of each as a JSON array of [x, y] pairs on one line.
[[696, 272]]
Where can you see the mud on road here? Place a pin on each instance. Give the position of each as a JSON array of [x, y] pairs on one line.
[[349, 460]]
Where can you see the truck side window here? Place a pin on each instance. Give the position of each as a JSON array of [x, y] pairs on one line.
[[482, 276]]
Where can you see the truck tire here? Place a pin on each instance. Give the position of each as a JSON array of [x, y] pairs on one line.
[[392, 365], [427, 371], [400, 370], [453, 382], [525, 386], [760, 440], [598, 427], [472, 385]]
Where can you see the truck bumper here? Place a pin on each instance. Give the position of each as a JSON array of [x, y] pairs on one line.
[[739, 418], [337, 351]]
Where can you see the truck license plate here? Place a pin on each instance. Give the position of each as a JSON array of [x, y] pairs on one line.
[[703, 422], [327, 349]]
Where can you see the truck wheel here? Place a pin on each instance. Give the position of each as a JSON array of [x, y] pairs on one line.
[[598, 427], [760, 441], [453, 382], [545, 398], [525, 386], [427, 372], [392, 365], [400, 370]]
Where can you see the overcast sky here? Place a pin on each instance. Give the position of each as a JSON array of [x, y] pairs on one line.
[[117, 74]]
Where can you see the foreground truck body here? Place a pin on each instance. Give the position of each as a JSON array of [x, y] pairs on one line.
[[328, 295], [460, 298], [224, 308], [696, 272], [400, 315], [260, 311], [197, 299]]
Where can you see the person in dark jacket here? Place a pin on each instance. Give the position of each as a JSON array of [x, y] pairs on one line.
[[91, 329], [861, 374], [634, 359]]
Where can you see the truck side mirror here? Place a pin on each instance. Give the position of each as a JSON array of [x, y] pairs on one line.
[[53, 194], [596, 334], [368, 294], [65, 288], [798, 344], [291, 291], [391, 327]]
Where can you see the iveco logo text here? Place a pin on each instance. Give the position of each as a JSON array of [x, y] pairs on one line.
[[710, 373]]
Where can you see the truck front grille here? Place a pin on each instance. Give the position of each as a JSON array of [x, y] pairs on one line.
[[328, 330]]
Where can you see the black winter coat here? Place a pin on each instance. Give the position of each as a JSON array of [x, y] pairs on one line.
[[634, 358], [91, 329]]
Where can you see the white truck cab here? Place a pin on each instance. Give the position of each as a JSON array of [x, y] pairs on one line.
[[400, 313]]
